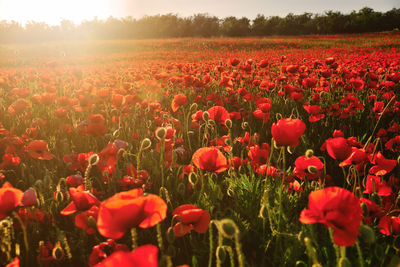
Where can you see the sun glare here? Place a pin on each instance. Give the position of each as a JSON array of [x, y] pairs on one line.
[[53, 11]]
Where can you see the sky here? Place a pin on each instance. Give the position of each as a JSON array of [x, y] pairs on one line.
[[53, 11]]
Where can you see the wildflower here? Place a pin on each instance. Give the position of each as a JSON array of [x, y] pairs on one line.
[[336, 208], [10, 198], [210, 159], [286, 132], [38, 149], [126, 210], [179, 100], [190, 218], [143, 256]]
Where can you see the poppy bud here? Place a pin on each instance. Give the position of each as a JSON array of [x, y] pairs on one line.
[[181, 189], [170, 235], [228, 228], [367, 234], [221, 254], [300, 264], [94, 159], [378, 251], [206, 116], [193, 178], [364, 207], [161, 132], [228, 123], [309, 153], [58, 252], [38, 184], [193, 107], [59, 196], [312, 169], [344, 262], [396, 243], [146, 143]]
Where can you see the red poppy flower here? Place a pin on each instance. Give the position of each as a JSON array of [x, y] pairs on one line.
[[219, 114], [393, 144], [375, 185], [10, 198], [143, 256], [259, 155], [389, 225], [82, 220], [338, 209], [233, 61], [286, 132], [210, 159], [308, 167], [383, 165], [81, 201], [263, 63], [13, 263], [338, 148], [190, 218], [179, 100], [103, 250], [357, 156], [127, 210], [38, 149]]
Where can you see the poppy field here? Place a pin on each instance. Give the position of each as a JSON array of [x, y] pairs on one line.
[[279, 151]]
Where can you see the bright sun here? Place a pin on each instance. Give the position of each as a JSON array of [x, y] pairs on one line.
[[53, 11]]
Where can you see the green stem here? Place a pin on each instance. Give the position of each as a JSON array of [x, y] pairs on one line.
[[360, 255], [23, 227], [134, 238]]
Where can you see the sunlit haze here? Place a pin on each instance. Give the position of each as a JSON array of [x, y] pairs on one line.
[[53, 11]]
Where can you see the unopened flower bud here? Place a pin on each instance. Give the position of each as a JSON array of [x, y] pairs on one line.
[[228, 228], [193, 178], [309, 153], [312, 169], [367, 234], [161, 132], [146, 143], [206, 116], [58, 252], [344, 262], [170, 235], [228, 123], [94, 159], [221, 254]]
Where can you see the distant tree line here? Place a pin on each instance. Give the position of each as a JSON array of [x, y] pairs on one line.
[[204, 25]]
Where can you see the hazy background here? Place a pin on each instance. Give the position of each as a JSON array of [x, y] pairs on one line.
[[52, 11]]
